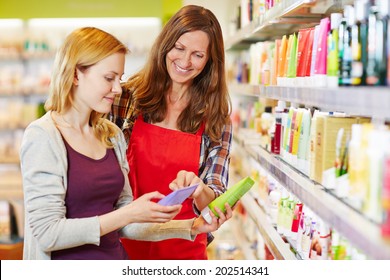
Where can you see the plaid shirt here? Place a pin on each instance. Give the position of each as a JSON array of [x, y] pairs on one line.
[[214, 156]]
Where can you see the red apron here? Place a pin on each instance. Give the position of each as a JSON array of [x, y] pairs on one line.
[[155, 156]]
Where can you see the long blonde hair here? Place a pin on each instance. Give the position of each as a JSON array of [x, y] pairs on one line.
[[209, 97], [81, 49]]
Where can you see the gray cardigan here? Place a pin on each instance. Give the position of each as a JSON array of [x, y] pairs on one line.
[[44, 169]]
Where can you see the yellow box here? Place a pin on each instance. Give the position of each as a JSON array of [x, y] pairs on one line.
[[326, 131]]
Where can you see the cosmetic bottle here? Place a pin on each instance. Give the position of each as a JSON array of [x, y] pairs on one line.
[[359, 43], [372, 73], [377, 139], [297, 214], [302, 55], [282, 209], [358, 170], [304, 142], [292, 62], [341, 31], [301, 229], [322, 53], [275, 140], [273, 203], [291, 201], [275, 62], [333, 50], [285, 114], [267, 124], [381, 42], [306, 238], [282, 61], [385, 225], [324, 234], [313, 62], [231, 196], [346, 61]]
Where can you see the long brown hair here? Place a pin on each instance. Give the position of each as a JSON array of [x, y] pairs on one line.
[[81, 49], [209, 97]]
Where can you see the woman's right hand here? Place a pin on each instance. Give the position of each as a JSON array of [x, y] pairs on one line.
[[144, 209], [141, 210]]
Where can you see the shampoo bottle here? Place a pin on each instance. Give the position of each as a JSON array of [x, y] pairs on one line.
[[346, 62], [333, 50], [231, 196], [359, 43], [275, 141], [273, 203]]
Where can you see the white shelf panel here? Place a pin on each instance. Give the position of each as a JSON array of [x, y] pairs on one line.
[[361, 101]]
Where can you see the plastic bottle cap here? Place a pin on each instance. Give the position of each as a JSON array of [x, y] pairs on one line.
[[335, 20], [206, 215], [268, 109], [274, 196], [281, 103]]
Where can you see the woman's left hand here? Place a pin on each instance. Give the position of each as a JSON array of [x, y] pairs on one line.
[[201, 226]]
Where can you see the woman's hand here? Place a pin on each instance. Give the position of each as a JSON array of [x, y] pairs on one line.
[[203, 195], [201, 226], [144, 210], [141, 210], [185, 179]]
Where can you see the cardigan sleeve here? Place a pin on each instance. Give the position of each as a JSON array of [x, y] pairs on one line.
[[159, 231]]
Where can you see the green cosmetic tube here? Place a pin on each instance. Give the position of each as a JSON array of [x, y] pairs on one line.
[[231, 196]]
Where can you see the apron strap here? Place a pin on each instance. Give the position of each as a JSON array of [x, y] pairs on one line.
[[201, 129]]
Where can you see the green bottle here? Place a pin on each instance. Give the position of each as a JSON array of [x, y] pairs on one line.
[[333, 50], [231, 196]]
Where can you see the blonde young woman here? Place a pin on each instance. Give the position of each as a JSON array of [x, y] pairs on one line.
[[78, 201]]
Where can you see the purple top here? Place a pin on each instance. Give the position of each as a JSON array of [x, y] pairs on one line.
[[93, 189]]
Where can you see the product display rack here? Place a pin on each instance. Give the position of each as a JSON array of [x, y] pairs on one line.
[[25, 88], [360, 101], [362, 232], [285, 17], [241, 239], [23, 93], [275, 243], [277, 246]]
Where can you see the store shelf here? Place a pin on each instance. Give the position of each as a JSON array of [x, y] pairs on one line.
[[240, 236], [274, 242], [14, 159], [361, 101], [362, 232], [277, 246], [11, 184], [12, 251], [286, 17]]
